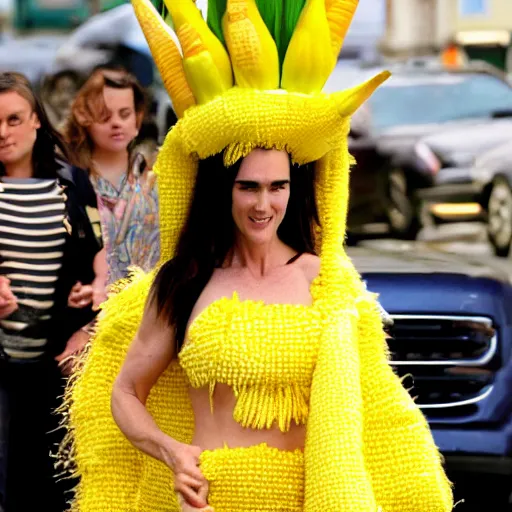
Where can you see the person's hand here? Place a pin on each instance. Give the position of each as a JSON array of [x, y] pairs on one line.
[[185, 507], [80, 295], [99, 293], [74, 346], [8, 302], [189, 482]]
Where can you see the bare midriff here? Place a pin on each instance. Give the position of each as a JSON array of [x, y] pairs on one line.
[[218, 429]]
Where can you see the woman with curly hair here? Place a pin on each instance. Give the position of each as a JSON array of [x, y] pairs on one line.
[[105, 119]]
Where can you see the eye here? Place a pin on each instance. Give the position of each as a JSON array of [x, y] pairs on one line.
[[276, 188], [14, 120], [247, 188], [125, 114]]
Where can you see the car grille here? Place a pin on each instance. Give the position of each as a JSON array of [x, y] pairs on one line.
[[446, 362]]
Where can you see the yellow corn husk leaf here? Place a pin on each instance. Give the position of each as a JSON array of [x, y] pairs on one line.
[[309, 60], [339, 16], [251, 47], [348, 101], [166, 55], [202, 74], [186, 12]]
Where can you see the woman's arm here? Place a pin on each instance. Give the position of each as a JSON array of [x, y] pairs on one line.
[[149, 355], [99, 285]]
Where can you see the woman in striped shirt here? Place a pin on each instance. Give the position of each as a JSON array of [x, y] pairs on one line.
[[48, 246]]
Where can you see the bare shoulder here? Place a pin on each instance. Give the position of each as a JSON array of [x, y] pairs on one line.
[[311, 265]]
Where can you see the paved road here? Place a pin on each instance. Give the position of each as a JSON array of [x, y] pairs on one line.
[[459, 237]]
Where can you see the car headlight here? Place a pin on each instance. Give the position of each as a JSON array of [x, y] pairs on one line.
[[427, 157]]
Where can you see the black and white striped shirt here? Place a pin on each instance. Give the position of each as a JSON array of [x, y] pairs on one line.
[[32, 238]]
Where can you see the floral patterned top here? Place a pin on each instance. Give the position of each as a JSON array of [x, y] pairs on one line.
[[129, 220]]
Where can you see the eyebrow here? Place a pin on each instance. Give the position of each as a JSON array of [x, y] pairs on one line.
[[15, 113], [254, 184]]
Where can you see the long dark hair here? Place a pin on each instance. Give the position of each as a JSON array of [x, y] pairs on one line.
[[49, 146], [209, 235]]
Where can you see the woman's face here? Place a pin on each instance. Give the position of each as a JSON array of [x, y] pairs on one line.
[[120, 128], [260, 195], [18, 128]]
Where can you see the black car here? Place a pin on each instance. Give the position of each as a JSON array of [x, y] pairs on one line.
[[413, 103], [451, 342], [480, 191]]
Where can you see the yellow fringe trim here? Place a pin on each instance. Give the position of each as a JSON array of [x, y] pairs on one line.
[[238, 150], [260, 406]]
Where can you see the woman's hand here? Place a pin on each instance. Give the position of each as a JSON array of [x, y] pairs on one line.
[[189, 482], [185, 507], [99, 293], [80, 295], [74, 346], [8, 302]]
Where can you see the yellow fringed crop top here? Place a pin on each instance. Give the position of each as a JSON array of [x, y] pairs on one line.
[[265, 352]]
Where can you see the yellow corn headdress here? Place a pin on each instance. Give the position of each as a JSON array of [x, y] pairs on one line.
[[237, 84], [252, 76]]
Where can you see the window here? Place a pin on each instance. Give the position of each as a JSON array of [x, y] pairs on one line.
[[472, 7]]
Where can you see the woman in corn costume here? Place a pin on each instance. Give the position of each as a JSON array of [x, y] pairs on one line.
[[252, 78]]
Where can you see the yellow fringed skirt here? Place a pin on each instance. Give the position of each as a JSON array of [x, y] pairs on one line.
[[254, 479]]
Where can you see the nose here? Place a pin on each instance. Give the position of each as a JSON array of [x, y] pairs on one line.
[[115, 121], [263, 201], [3, 130]]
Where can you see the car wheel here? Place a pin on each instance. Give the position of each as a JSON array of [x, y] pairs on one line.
[[499, 219], [403, 219]]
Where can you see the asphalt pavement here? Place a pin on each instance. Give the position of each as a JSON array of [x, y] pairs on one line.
[[457, 238]]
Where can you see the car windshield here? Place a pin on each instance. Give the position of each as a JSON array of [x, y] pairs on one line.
[[421, 100]]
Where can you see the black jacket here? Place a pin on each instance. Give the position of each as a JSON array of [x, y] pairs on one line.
[[83, 242]]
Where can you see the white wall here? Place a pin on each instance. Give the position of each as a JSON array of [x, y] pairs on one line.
[[413, 25]]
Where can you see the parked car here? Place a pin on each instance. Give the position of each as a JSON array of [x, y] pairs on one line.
[[451, 342], [415, 102], [486, 184]]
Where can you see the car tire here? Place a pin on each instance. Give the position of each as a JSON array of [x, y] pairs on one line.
[[402, 216], [499, 217]]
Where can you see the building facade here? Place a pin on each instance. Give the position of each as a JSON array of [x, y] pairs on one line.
[[417, 27]]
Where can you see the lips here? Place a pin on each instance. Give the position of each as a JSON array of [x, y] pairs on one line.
[[260, 221], [117, 136]]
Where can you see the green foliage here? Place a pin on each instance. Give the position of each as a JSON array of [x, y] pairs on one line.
[[216, 10], [272, 13], [280, 17], [291, 13]]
